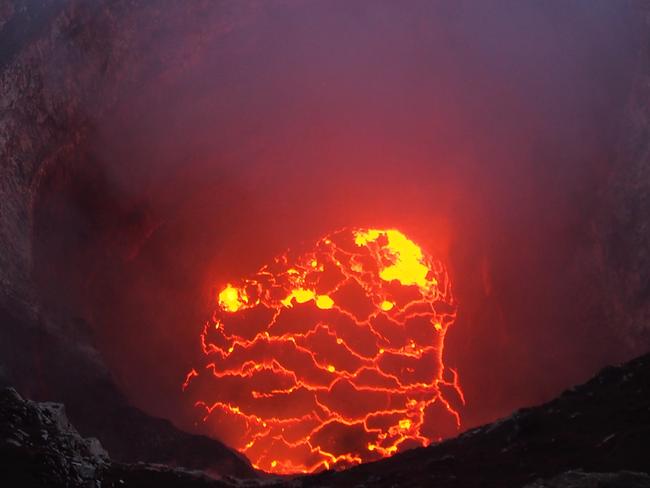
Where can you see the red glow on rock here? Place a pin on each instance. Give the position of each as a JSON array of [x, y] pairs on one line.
[[333, 357]]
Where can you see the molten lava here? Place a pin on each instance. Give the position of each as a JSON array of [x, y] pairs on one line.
[[333, 357]]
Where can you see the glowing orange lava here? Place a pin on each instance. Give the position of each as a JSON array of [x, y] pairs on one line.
[[333, 357]]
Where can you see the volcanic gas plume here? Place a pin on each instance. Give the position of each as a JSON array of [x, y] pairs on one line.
[[332, 356]]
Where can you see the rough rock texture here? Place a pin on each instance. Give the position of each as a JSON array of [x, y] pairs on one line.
[[38, 446], [160, 476], [594, 435], [63, 64], [580, 479], [624, 232], [601, 426], [97, 408]]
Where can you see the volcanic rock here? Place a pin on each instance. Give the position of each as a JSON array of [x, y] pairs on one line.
[[602, 426], [60, 69], [39, 446], [593, 435], [580, 479]]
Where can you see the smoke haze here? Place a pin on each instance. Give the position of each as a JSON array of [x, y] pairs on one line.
[[483, 130]]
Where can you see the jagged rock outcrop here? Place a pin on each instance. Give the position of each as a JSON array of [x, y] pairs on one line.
[[75, 375], [39, 446]]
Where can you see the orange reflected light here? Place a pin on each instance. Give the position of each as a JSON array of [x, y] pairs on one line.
[[332, 357]]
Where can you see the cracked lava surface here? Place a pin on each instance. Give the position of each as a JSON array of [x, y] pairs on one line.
[[331, 357]]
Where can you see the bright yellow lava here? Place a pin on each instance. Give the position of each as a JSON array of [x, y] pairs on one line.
[[408, 267], [363, 237], [324, 302], [232, 299], [300, 294], [387, 305], [405, 424]]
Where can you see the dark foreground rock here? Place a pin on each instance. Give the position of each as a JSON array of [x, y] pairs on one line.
[[39, 447], [580, 479], [602, 426], [596, 435], [97, 408]]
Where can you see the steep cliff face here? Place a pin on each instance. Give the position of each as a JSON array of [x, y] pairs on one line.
[[63, 65], [29, 137], [624, 230]]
